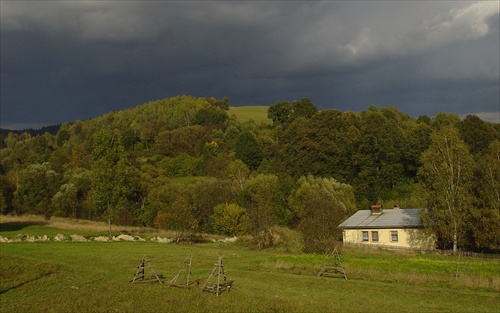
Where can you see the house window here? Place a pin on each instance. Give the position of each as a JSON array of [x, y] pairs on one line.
[[374, 236], [394, 236], [365, 235]]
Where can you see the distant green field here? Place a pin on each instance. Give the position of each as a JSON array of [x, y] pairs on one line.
[[94, 276], [246, 113], [185, 180]]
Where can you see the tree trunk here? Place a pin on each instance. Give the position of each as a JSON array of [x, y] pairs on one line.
[[455, 239], [109, 225]]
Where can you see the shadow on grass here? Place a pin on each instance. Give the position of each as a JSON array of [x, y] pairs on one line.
[[15, 226], [26, 282]]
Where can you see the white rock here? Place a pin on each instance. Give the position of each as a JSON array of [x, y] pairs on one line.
[[59, 237], [77, 238], [124, 237], [137, 238], [233, 239], [42, 238], [101, 238], [162, 240], [5, 239]]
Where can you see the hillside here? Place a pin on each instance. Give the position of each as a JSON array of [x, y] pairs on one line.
[[52, 129], [184, 164]]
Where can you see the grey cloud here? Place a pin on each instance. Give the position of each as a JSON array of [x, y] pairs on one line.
[[78, 59]]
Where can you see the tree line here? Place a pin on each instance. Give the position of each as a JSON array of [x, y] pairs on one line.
[[184, 164]]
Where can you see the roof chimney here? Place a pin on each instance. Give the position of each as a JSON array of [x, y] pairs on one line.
[[376, 209]]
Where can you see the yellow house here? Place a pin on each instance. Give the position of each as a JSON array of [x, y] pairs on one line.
[[396, 228]]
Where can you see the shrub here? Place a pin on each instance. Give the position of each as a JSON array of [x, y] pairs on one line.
[[279, 238], [230, 220]]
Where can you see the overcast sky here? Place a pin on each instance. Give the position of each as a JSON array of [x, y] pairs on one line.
[[74, 60]]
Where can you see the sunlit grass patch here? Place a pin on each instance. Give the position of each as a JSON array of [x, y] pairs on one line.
[[94, 276], [243, 114]]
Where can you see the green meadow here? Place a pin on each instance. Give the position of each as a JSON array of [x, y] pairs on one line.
[[243, 114], [94, 277]]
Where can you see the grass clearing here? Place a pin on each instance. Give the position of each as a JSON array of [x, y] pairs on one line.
[[185, 180], [258, 114], [94, 276]]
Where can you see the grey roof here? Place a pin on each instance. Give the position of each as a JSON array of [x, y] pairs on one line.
[[393, 218]]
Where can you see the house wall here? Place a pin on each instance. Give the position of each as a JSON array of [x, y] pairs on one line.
[[413, 238]]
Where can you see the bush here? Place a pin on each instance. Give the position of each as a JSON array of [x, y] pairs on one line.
[[230, 220], [279, 238]]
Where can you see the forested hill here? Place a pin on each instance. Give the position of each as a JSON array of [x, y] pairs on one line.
[[52, 129], [197, 164]]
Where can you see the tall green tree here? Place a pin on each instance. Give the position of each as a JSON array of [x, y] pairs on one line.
[[417, 141], [177, 217], [38, 184], [486, 226], [108, 180], [379, 157], [7, 189], [204, 195], [321, 205], [279, 112], [304, 108], [181, 140], [445, 178], [247, 149], [259, 193], [476, 133]]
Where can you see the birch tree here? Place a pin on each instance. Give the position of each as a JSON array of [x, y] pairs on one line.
[[108, 179], [445, 176]]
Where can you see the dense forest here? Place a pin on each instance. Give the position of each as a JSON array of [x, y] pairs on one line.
[[184, 164]]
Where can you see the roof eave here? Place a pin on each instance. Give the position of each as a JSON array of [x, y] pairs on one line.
[[380, 227]]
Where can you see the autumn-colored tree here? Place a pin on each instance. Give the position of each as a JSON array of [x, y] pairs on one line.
[[230, 220]]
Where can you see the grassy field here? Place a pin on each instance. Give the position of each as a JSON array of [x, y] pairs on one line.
[[246, 113], [94, 276]]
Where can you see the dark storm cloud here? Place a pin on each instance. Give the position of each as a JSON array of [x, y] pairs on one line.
[[68, 60]]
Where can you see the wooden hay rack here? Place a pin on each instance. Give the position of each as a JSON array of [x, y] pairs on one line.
[[217, 281], [141, 276], [183, 277], [333, 266]]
